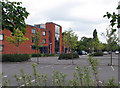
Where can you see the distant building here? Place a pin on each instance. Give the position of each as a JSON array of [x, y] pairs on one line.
[[51, 40]]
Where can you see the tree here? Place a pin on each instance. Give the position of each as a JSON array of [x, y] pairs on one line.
[[16, 39], [96, 43], [114, 19], [111, 39], [65, 42], [13, 16], [84, 44], [71, 39], [94, 34], [37, 42]]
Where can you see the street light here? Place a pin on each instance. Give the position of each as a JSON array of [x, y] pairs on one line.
[[50, 48]]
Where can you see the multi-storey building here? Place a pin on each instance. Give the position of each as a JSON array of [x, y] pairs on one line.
[[51, 39]]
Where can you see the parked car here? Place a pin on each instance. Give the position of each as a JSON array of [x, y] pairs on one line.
[[109, 52], [82, 52], [116, 52], [105, 52]]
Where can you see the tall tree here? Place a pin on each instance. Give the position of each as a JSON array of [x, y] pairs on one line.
[[95, 34], [71, 39], [37, 42], [17, 39], [111, 38], [13, 16]]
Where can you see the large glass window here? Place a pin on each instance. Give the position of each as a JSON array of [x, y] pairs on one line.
[[44, 33], [44, 41], [1, 48], [33, 30], [1, 36], [57, 38], [57, 29]]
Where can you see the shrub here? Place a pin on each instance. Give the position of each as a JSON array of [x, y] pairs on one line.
[[50, 54], [42, 55], [68, 56], [36, 55], [15, 57], [98, 54]]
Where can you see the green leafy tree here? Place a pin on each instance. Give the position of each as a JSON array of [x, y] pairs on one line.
[[96, 43], [111, 39], [89, 45], [13, 16], [84, 44], [17, 39], [71, 39], [65, 42], [37, 42]]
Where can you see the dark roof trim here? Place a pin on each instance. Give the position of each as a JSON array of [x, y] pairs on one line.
[[36, 27], [54, 23]]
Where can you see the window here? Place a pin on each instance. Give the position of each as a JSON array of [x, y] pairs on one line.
[[1, 36], [44, 41], [57, 38], [32, 40], [1, 48], [33, 47], [44, 33], [33, 30], [57, 29]]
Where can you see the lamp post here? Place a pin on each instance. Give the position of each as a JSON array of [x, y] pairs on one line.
[[50, 48]]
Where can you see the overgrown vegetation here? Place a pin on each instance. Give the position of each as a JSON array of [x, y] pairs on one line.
[[68, 56], [15, 57], [98, 54]]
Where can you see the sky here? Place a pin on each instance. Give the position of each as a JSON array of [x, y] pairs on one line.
[[82, 16]]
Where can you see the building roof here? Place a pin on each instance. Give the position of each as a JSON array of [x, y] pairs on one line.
[[54, 23]]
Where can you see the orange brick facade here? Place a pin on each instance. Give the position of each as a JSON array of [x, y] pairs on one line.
[[26, 48]]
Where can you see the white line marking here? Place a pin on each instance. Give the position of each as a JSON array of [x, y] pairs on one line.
[[5, 76], [99, 68], [45, 66], [52, 67], [112, 68], [67, 66]]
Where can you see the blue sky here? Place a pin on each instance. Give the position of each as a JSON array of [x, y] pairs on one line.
[[82, 16]]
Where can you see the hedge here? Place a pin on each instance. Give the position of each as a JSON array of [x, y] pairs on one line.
[[15, 57], [42, 55], [98, 54], [68, 56]]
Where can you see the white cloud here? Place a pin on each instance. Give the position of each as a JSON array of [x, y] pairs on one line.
[[83, 16]]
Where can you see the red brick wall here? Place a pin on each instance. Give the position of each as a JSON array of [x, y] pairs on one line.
[[24, 47], [60, 39], [51, 28]]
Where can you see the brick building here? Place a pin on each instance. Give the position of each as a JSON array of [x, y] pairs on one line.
[[51, 40]]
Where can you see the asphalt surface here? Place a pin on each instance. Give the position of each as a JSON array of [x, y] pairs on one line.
[[48, 64]]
